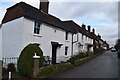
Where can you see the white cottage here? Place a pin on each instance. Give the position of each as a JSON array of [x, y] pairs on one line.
[[82, 40], [23, 25]]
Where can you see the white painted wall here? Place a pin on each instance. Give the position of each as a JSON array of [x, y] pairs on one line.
[[48, 33], [0, 42], [17, 34], [84, 42], [0, 52], [12, 33]]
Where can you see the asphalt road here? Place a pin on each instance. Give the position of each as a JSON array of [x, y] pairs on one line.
[[104, 66]]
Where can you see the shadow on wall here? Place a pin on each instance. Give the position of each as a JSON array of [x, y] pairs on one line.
[[0, 69]]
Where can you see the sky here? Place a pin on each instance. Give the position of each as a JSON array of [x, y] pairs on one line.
[[102, 15]]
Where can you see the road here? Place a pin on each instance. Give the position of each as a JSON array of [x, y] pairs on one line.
[[103, 66]]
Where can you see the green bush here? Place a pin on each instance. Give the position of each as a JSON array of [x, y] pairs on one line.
[[54, 69], [78, 56], [4, 72], [99, 50], [11, 67], [89, 53], [25, 61]]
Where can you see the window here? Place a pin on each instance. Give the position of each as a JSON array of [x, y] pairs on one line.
[[66, 50], [66, 36], [37, 28]]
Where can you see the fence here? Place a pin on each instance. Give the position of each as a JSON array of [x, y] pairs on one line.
[[7, 60]]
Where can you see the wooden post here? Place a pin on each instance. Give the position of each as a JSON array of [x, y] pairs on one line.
[[36, 66]]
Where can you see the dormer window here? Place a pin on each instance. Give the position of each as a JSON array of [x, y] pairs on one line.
[[37, 28]]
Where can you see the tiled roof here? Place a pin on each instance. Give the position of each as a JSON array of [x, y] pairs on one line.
[[28, 11]]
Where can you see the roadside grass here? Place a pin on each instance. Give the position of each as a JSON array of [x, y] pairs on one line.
[[52, 70]]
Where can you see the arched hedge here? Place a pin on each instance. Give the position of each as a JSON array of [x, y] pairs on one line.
[[25, 61]]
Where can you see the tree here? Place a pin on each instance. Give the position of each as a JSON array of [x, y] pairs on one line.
[[117, 45]]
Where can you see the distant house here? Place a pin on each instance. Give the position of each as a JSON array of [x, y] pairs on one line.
[[24, 24]]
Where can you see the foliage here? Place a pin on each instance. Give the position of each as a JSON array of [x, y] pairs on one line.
[[54, 69], [98, 50], [49, 71], [25, 61], [11, 67], [4, 72], [80, 55], [117, 45]]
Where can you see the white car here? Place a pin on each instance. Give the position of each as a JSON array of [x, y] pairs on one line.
[[113, 50]]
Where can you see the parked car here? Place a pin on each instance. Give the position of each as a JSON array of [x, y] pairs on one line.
[[113, 50]]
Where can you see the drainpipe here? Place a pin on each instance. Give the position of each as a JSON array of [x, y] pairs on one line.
[[72, 47]]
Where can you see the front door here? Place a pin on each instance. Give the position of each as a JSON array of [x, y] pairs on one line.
[[54, 51]]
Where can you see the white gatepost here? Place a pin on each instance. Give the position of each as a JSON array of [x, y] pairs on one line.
[[36, 66]]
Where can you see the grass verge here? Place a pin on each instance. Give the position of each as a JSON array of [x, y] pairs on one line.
[[52, 70]]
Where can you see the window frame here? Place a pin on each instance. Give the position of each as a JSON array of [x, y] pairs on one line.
[[66, 50], [37, 26]]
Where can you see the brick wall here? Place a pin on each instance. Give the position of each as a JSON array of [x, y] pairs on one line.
[[0, 69]]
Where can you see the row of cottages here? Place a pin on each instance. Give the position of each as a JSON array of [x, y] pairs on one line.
[[24, 24]]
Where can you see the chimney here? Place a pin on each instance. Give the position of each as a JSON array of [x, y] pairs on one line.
[[89, 28], [99, 36], [93, 30], [44, 6], [84, 26]]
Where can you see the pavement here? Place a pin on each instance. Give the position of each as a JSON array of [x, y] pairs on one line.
[[103, 66]]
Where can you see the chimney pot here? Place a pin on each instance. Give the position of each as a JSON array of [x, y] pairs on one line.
[[44, 5]]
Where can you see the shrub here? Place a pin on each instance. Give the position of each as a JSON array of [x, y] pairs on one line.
[[54, 69], [11, 67], [25, 61], [4, 72], [79, 56], [99, 50], [89, 53]]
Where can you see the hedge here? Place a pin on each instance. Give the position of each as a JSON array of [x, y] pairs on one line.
[[25, 61]]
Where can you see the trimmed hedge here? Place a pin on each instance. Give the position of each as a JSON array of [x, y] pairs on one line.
[[11, 67], [25, 61]]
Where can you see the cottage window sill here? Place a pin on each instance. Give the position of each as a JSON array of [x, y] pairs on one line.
[[37, 35], [66, 40], [66, 56]]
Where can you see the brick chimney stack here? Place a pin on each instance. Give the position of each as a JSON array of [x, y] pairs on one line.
[[44, 6], [99, 36], [93, 30], [89, 27], [84, 26]]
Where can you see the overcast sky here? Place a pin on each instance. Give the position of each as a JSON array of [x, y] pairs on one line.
[[103, 16]]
